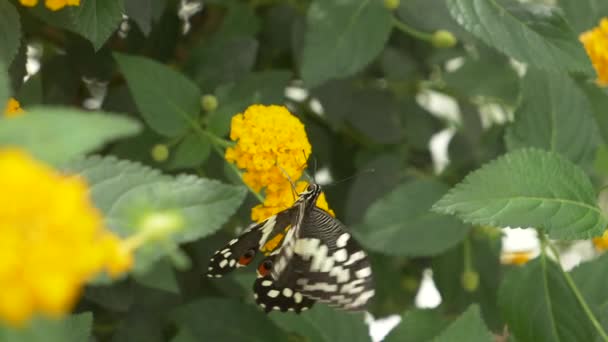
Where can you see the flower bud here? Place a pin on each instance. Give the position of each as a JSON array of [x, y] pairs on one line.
[[160, 152], [209, 103], [470, 280], [391, 4], [443, 39]]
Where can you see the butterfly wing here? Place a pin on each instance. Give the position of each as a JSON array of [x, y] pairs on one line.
[[326, 263], [241, 250], [269, 296]]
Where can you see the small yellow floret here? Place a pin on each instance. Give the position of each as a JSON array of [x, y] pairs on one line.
[[13, 108], [596, 45], [53, 5]]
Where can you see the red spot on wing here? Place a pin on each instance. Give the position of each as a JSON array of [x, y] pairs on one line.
[[262, 270], [245, 260]]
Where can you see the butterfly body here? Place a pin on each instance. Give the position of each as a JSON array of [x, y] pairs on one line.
[[318, 260]]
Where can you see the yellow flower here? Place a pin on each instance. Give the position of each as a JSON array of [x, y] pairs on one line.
[[53, 5], [13, 108], [272, 148], [52, 239], [601, 243], [596, 45], [516, 258]]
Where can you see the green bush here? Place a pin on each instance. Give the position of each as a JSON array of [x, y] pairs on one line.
[[365, 77]]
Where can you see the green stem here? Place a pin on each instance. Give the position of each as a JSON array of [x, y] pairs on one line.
[[577, 293], [412, 31], [468, 260]]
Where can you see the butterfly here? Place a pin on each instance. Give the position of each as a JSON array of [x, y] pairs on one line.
[[310, 257]]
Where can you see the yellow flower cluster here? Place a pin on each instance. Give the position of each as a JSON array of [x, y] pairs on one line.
[[13, 108], [53, 5], [272, 148], [52, 239], [596, 45]]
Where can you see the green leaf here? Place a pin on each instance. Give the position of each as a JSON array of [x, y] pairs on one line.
[[127, 191], [417, 326], [57, 135], [256, 88], [192, 151], [342, 38], [141, 12], [168, 101], [325, 324], [392, 221], [96, 20], [532, 33], [5, 92], [161, 277], [372, 112], [222, 59], [468, 327], [528, 188], [436, 17], [215, 319], [584, 14], [554, 115], [73, 328], [591, 277], [10, 32], [538, 305], [472, 78], [598, 98]]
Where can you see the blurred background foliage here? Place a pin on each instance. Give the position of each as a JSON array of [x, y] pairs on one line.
[[374, 82]]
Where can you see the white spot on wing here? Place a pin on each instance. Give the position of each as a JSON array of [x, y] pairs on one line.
[[273, 293], [287, 292], [223, 263], [266, 283], [297, 297], [342, 240], [340, 255], [364, 272]]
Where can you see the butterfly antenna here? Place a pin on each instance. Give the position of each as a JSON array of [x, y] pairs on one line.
[[294, 192], [350, 177]]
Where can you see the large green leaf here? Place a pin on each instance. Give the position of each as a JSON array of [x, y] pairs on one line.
[[222, 59], [96, 20], [168, 101], [598, 98], [528, 188], [127, 191], [10, 32], [554, 115], [342, 37], [401, 222], [56, 134], [468, 327], [584, 14], [532, 33], [324, 324], [538, 305], [591, 278], [228, 320], [73, 328], [417, 326], [192, 151]]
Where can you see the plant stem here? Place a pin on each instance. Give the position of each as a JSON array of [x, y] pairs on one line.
[[411, 31], [577, 293]]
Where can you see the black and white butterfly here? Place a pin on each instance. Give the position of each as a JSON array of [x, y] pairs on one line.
[[315, 258]]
